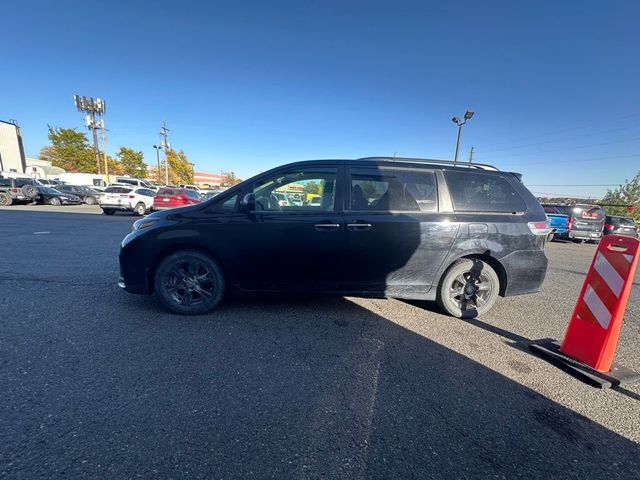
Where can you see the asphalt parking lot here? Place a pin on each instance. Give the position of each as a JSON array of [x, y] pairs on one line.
[[96, 383]]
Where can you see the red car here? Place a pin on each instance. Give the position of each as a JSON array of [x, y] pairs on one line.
[[175, 197]]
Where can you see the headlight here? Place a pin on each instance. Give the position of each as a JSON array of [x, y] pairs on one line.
[[143, 223]]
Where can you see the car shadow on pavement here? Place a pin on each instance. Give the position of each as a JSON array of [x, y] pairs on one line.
[[282, 387], [512, 339]]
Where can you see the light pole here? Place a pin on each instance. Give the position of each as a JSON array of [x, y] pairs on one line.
[[467, 116], [158, 148], [193, 173]]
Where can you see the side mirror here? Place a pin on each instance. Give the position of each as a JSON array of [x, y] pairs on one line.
[[248, 203]]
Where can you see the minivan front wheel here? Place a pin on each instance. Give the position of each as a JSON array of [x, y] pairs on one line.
[[189, 282], [469, 288]]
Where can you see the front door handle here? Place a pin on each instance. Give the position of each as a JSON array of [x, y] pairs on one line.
[[327, 227], [358, 226]]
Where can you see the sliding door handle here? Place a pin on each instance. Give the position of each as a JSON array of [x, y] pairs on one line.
[[359, 226], [327, 227]]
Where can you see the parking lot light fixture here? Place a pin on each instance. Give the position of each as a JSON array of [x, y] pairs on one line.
[[467, 116], [158, 148]]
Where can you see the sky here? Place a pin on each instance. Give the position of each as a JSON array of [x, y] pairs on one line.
[[246, 86]]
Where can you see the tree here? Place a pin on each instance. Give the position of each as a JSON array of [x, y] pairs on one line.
[[131, 163], [230, 179], [180, 169], [312, 188], [626, 194], [70, 150]]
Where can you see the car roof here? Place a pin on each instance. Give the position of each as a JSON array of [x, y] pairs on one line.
[[401, 162]]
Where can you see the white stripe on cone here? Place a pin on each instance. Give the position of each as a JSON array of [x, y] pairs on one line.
[[598, 309], [609, 274]]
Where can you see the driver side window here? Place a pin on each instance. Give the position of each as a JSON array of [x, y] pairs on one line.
[[297, 191]]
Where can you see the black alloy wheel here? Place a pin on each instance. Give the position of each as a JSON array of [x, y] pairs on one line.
[[189, 283], [469, 288]]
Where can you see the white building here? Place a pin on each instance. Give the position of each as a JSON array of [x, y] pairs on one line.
[[12, 157]]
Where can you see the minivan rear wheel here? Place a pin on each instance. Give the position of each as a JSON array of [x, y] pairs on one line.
[[189, 282], [468, 289]]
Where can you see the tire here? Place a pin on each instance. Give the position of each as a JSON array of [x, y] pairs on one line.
[[140, 209], [577, 240], [29, 191], [90, 200], [5, 200], [189, 283], [458, 282], [550, 237], [55, 201], [108, 211]]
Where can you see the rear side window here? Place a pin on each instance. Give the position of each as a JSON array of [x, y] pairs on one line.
[[388, 190], [482, 192], [145, 192], [117, 190]]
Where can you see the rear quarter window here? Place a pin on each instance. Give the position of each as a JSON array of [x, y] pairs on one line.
[[482, 192]]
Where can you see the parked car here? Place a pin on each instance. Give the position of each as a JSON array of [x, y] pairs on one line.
[[559, 225], [135, 182], [126, 199], [86, 194], [619, 226], [48, 183], [172, 197], [400, 228], [17, 190], [52, 196], [585, 222]]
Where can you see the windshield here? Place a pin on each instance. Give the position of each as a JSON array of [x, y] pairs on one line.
[[48, 191]]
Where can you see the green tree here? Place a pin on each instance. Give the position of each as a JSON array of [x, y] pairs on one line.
[[626, 194], [230, 179], [131, 163], [180, 169], [70, 150], [312, 188]]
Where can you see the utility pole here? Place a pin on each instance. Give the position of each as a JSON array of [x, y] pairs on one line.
[[471, 155], [91, 107], [92, 127], [103, 137], [164, 133], [467, 116]]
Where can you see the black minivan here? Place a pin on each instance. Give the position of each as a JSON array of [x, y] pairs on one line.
[[381, 227]]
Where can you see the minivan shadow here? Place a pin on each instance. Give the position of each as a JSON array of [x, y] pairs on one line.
[[291, 387]]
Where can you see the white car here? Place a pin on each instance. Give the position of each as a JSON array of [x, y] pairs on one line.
[[126, 199]]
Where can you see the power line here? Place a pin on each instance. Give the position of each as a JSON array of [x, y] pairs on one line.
[[573, 185], [561, 139], [633, 139], [570, 129], [582, 160]]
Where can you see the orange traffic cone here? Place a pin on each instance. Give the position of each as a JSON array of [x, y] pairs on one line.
[[590, 343]]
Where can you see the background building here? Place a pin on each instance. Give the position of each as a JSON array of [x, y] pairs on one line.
[[12, 157], [202, 179]]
